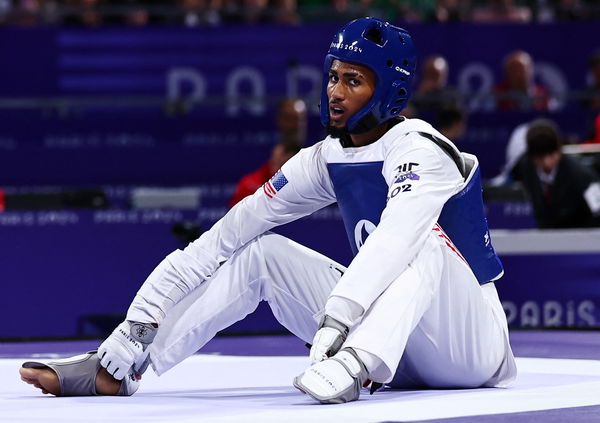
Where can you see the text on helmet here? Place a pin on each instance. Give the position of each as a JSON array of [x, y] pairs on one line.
[[343, 46]]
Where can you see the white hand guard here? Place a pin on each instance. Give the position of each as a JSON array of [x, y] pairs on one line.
[[126, 348], [328, 340]]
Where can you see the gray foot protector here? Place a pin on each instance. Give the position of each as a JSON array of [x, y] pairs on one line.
[[350, 394], [77, 375]]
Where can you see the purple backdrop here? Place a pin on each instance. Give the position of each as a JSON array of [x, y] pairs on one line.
[[53, 262], [114, 143]]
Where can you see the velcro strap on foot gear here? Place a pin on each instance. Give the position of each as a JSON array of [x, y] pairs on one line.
[[355, 367]]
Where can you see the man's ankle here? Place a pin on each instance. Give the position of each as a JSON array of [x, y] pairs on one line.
[[106, 384]]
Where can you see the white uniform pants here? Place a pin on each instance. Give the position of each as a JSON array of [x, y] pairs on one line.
[[434, 323]]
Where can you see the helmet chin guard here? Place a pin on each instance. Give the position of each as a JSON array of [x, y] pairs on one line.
[[389, 52]]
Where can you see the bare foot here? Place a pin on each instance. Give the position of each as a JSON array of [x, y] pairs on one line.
[[44, 379], [47, 381]]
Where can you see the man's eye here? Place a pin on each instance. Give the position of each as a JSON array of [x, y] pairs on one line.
[[354, 82], [333, 78]]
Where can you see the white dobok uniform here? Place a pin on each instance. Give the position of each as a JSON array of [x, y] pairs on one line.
[[409, 296]]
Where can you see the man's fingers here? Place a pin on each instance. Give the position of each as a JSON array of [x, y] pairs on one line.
[[119, 374], [103, 361], [317, 355], [314, 353]]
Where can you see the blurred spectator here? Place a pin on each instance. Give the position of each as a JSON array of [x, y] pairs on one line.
[[249, 183], [570, 10], [594, 137], [518, 90], [260, 11], [256, 11], [135, 13], [515, 149], [345, 10], [409, 112], [563, 192], [592, 93], [6, 8], [331, 10], [417, 10], [287, 12], [290, 119], [200, 12], [83, 12], [591, 99], [451, 122], [501, 11], [27, 12], [451, 10], [213, 12], [433, 91]]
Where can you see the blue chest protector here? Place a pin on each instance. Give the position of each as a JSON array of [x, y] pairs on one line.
[[361, 193]]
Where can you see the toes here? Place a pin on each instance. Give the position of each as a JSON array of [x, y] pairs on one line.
[[28, 375], [44, 379], [50, 382]]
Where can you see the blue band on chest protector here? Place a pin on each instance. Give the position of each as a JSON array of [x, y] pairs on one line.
[[463, 219]]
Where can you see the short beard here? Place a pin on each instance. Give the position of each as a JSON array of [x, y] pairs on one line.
[[341, 133]]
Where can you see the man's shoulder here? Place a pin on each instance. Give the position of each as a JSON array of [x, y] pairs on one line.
[[573, 168], [316, 150], [311, 157], [413, 134]]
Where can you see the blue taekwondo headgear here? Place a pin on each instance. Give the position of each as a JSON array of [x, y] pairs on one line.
[[389, 52]]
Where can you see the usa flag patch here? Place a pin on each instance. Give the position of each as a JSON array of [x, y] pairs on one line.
[[277, 182]]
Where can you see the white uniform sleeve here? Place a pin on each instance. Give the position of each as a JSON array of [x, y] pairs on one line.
[[415, 201], [303, 187]]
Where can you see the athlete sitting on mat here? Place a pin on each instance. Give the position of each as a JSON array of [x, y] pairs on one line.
[[417, 307]]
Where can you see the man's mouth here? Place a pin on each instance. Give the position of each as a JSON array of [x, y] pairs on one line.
[[336, 111]]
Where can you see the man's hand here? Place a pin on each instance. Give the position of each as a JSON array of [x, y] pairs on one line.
[[126, 347], [328, 340]]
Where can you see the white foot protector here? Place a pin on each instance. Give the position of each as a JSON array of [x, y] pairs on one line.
[[335, 380], [77, 375]]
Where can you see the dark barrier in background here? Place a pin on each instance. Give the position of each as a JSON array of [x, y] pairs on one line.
[[209, 93], [67, 273]]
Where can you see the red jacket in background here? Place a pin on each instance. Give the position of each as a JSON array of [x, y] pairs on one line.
[[250, 183]]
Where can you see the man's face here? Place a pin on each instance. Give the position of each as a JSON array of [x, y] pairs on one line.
[[519, 72], [435, 73], [291, 116], [349, 89], [547, 162]]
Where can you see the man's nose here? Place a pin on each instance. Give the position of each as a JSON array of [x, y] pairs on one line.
[[337, 92]]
